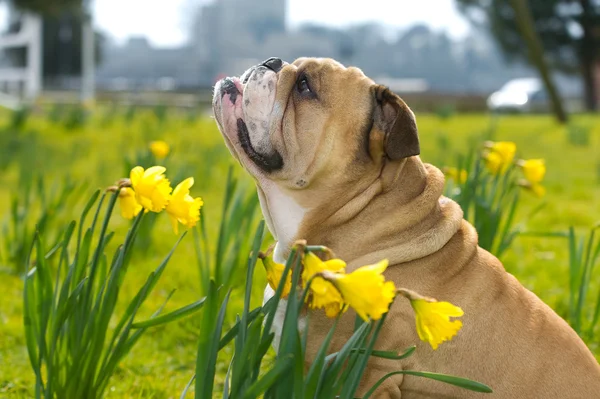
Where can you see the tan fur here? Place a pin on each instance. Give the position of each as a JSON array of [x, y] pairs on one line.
[[366, 207]]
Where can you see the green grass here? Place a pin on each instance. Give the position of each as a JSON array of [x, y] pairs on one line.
[[94, 154]]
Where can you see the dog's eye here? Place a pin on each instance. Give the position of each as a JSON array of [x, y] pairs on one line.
[[302, 85]]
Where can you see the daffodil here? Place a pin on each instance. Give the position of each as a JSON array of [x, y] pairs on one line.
[[128, 204], [534, 170], [433, 321], [536, 188], [334, 308], [499, 155], [459, 176], [182, 208], [322, 293], [274, 273], [365, 290], [433, 318], [493, 162], [159, 148], [313, 265], [151, 187]]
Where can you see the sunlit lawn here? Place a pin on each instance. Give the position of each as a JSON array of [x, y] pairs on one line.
[[93, 154]]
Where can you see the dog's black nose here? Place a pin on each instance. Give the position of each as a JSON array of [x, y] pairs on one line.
[[275, 64]]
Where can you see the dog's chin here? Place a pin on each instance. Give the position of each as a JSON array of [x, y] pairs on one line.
[[228, 110]]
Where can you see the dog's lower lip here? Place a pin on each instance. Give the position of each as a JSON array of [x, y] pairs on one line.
[[268, 163]]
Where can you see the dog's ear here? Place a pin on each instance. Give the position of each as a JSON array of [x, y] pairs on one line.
[[393, 118]]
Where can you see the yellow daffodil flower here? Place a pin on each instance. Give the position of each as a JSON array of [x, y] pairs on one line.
[[433, 321], [313, 265], [129, 206], [534, 170], [334, 308], [456, 175], [182, 208], [151, 187], [366, 290], [274, 272], [499, 155], [433, 318], [537, 189], [322, 293], [159, 148], [493, 162]]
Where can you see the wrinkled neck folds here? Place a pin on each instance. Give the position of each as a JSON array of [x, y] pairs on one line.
[[408, 221]]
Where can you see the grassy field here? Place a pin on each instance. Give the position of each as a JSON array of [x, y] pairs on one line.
[[96, 151]]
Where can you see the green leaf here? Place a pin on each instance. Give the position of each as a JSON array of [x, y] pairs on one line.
[[356, 373], [243, 363], [330, 377], [258, 239], [389, 354], [312, 377], [30, 317], [187, 387], [282, 365], [172, 316], [232, 333], [86, 210], [222, 240], [290, 339], [208, 344], [121, 342], [448, 379]]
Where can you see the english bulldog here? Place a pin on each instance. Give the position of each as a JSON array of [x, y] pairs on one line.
[[335, 158]]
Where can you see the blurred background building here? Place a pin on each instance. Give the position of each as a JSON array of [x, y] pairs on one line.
[[225, 37]]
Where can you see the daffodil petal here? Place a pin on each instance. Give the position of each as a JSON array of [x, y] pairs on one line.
[[449, 309], [128, 204], [183, 188], [136, 174], [433, 322], [155, 170], [366, 290], [334, 265]]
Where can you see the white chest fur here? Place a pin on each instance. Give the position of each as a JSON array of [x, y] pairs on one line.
[[283, 216]]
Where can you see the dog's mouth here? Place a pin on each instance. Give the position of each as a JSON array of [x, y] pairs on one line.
[[268, 163], [228, 106]]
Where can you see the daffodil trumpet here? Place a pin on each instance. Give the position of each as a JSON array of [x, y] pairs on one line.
[[433, 318]]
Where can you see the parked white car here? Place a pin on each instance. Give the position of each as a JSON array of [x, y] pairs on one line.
[[527, 95], [519, 95]]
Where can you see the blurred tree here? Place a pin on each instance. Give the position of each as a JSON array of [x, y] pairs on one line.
[[569, 31], [526, 23], [62, 22], [48, 7]]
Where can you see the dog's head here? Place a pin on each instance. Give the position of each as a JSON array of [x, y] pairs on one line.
[[311, 133]]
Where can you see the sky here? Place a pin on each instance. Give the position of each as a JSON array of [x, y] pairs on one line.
[[165, 22]]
